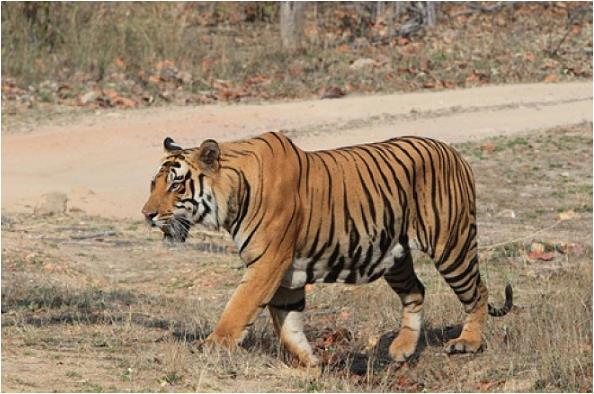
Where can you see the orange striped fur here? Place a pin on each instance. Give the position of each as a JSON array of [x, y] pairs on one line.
[[348, 215]]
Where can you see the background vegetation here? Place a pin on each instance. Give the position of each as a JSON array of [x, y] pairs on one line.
[[137, 54]]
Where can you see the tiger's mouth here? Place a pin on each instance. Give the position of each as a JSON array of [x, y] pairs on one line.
[[175, 229]]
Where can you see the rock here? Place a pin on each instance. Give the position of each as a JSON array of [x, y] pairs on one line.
[[88, 97], [332, 92], [507, 213], [7, 221], [362, 64], [31, 257], [81, 191], [568, 215], [360, 43], [518, 385], [168, 73], [51, 204], [184, 77]]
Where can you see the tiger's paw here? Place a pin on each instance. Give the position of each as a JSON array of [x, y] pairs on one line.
[[304, 358], [463, 345], [309, 371], [309, 361], [218, 341], [403, 347], [310, 367]]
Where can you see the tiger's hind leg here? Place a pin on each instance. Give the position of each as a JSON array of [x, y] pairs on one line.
[[286, 308], [470, 339], [460, 270], [403, 280]]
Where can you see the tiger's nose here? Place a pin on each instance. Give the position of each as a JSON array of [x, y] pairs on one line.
[[149, 215]]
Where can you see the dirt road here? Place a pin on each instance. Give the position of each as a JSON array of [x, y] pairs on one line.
[[104, 163]]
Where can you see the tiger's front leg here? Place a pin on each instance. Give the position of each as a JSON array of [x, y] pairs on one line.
[[286, 308], [253, 294]]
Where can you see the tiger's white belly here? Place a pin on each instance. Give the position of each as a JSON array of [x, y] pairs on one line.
[[296, 276]]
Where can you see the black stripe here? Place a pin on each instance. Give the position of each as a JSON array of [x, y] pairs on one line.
[[436, 222], [297, 306], [201, 182], [267, 143], [279, 140], [257, 258], [367, 260], [249, 237], [243, 207]]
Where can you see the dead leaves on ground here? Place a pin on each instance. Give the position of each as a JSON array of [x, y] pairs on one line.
[[547, 250], [359, 51]]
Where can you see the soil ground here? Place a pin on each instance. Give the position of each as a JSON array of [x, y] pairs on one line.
[[104, 163], [97, 302]]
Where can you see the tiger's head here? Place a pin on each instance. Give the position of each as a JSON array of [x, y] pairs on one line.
[[182, 193]]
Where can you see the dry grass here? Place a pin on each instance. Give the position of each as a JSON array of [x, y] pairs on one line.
[[55, 52], [123, 314]]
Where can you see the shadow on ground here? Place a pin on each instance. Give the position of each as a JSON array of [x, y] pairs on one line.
[[379, 358]]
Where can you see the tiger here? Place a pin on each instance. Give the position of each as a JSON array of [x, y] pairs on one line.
[[348, 215]]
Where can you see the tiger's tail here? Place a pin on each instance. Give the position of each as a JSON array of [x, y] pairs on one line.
[[509, 296]]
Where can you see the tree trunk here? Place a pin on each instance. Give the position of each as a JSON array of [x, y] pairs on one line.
[[380, 9], [430, 13], [291, 24]]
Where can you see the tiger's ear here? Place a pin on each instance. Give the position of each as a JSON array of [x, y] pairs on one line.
[[170, 146], [207, 156]]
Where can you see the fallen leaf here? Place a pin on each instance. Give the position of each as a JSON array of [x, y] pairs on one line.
[[49, 267], [568, 215], [64, 91], [112, 94], [119, 62], [362, 64], [332, 92], [206, 65], [575, 249], [413, 47], [537, 247], [231, 94], [488, 147], [486, 385], [124, 102], [535, 255], [344, 315], [530, 57], [550, 78], [165, 64], [221, 84], [576, 29], [344, 48]]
